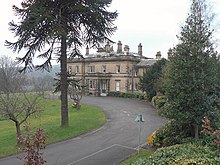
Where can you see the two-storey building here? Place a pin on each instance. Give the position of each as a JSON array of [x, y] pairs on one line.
[[110, 71]]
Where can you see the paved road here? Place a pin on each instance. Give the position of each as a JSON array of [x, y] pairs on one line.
[[110, 144]]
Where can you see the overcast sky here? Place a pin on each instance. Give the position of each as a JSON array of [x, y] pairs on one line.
[[154, 23]]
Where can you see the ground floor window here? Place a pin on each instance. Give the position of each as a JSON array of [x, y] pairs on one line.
[[92, 84], [117, 86], [104, 85], [136, 86]]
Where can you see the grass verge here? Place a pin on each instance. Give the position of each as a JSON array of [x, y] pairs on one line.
[[82, 121], [134, 157]]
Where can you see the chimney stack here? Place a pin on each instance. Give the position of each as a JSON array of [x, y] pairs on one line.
[[126, 49], [140, 53], [158, 55], [87, 50], [107, 47], [119, 50]]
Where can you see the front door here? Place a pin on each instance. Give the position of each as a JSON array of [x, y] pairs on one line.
[[103, 87]]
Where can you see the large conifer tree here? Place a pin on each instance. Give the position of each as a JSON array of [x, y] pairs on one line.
[[71, 23], [151, 78], [191, 77]]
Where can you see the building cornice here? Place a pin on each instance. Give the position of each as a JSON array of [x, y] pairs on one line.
[[107, 59]]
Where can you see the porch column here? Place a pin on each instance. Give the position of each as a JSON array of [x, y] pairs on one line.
[[99, 87]]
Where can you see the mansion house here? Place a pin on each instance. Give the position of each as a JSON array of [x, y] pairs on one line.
[[110, 71]]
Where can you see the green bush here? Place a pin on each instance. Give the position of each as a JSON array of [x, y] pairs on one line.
[[117, 94], [122, 94], [170, 134], [158, 101], [182, 154], [133, 95], [140, 96], [111, 94], [128, 95]]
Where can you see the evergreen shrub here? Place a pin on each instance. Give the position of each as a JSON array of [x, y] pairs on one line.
[[159, 101], [181, 154]]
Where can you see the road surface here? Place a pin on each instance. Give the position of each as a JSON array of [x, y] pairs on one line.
[[111, 143]]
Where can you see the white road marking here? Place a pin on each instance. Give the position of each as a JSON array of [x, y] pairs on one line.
[[125, 147], [128, 114], [101, 151]]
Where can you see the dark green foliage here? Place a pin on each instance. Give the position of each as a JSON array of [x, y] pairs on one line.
[[192, 75], [183, 154], [170, 134], [140, 96], [45, 22], [150, 82], [159, 101], [71, 81]]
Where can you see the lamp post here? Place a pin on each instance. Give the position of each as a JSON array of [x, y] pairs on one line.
[[140, 120]]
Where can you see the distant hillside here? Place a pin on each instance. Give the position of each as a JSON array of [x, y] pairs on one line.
[[39, 73]]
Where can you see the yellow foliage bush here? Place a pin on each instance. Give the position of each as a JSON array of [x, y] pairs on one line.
[[150, 138]]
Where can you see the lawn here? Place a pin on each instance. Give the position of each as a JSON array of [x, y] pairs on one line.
[[135, 157], [84, 120]]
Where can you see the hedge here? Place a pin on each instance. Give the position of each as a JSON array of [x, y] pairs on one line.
[[181, 154]]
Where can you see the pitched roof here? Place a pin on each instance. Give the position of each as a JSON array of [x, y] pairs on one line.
[[146, 62]]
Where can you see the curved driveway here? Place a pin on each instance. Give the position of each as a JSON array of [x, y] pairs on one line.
[[110, 144]]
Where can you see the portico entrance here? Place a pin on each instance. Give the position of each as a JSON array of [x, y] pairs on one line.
[[104, 86]]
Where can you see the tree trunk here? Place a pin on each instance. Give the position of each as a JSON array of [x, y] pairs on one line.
[[63, 83], [196, 128], [77, 105], [18, 132]]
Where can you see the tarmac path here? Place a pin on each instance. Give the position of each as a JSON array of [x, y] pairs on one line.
[[111, 143]]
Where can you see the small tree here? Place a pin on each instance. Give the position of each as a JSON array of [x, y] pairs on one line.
[[15, 103], [192, 74], [75, 89], [33, 145]]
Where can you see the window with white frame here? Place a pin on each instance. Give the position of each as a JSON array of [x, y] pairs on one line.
[[104, 85], [92, 84], [118, 69], [91, 69], [77, 69], [117, 86]]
